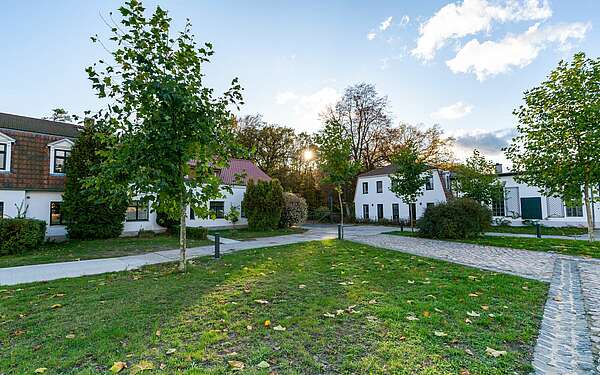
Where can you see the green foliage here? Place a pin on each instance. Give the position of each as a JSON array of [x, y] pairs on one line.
[[197, 233], [165, 221], [557, 149], [20, 235], [163, 114], [477, 180], [233, 215], [456, 219], [295, 210], [263, 204], [86, 216], [410, 176]]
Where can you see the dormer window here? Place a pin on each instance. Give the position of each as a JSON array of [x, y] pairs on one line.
[[59, 152], [5, 152]]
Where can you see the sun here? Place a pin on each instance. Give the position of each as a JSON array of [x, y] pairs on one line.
[[308, 155]]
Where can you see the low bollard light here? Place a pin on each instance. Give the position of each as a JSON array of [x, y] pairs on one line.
[[340, 232], [538, 230], [217, 245]]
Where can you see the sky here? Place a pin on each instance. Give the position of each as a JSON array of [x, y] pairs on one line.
[[463, 65]]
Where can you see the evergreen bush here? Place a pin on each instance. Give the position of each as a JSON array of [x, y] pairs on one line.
[[20, 235], [457, 219], [263, 204]]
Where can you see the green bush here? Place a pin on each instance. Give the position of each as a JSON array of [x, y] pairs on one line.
[[263, 204], [172, 225], [20, 235], [85, 215], [196, 233], [295, 210], [456, 219]]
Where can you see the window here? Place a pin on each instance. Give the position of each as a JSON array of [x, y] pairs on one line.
[[137, 211], [429, 183], [55, 215], [365, 188], [242, 212], [60, 156], [576, 211], [192, 214], [430, 204], [498, 207], [366, 211], [3, 157], [1, 210], [395, 212], [218, 207], [380, 186], [379, 211]]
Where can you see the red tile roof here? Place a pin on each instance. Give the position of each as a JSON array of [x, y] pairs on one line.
[[245, 167]]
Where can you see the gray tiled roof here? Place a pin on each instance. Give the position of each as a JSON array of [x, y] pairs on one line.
[[35, 125], [388, 169]]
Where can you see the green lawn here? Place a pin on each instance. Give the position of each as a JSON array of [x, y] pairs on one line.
[[333, 306], [245, 234], [93, 249], [566, 247], [530, 229]]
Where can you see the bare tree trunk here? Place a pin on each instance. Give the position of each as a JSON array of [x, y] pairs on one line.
[[182, 240], [341, 208], [588, 211]]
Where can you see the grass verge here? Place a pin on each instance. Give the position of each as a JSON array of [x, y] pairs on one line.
[[74, 250], [333, 306], [566, 247], [530, 229], [245, 234]]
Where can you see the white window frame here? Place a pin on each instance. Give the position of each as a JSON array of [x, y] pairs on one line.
[[60, 145], [8, 142]]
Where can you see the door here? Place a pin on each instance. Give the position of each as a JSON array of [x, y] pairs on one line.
[[379, 211], [531, 208], [412, 211], [395, 212], [366, 211]]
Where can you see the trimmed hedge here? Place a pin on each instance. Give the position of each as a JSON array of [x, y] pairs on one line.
[[263, 203], [456, 219], [20, 235], [295, 210], [196, 233]]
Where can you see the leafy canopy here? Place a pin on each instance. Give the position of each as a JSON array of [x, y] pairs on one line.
[[476, 179], [410, 175]]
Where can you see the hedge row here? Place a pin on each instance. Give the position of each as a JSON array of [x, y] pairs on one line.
[[20, 235]]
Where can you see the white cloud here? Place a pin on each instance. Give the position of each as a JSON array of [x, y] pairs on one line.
[[385, 24], [306, 109], [404, 20], [371, 36], [491, 58], [456, 20], [452, 111]]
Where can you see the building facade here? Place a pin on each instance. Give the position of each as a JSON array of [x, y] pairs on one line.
[[32, 178], [373, 199]]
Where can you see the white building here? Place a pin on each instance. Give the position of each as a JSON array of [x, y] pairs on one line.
[[523, 202], [32, 177], [373, 199]]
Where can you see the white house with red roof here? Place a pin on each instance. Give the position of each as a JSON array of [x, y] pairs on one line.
[[32, 178]]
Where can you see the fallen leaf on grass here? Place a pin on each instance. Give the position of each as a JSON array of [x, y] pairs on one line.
[[473, 295], [158, 333], [261, 301], [56, 306], [301, 286], [236, 365], [70, 336], [118, 367], [485, 307], [249, 327], [412, 318], [411, 281], [372, 318], [464, 371], [40, 370], [171, 351], [263, 364], [142, 366], [372, 302], [494, 353], [279, 328], [267, 323], [468, 321], [440, 333], [469, 352], [329, 315], [473, 314]]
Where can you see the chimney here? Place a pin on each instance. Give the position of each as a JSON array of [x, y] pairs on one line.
[[498, 168]]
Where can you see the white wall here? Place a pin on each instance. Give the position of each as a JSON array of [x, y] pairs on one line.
[[387, 198], [527, 191], [231, 199], [39, 208], [10, 199]]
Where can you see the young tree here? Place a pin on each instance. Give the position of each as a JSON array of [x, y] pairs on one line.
[[557, 148], [59, 114], [477, 180], [410, 176], [86, 216], [172, 132], [335, 159]]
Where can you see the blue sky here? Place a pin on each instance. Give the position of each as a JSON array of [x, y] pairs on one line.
[[463, 65]]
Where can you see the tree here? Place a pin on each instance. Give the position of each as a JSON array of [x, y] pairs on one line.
[[172, 132], [557, 146], [410, 175], [60, 115], [364, 117], [335, 159], [477, 180], [86, 216], [263, 204]]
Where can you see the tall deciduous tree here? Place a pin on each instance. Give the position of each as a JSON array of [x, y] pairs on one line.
[[335, 159], [558, 145], [172, 132], [410, 175], [476, 179]]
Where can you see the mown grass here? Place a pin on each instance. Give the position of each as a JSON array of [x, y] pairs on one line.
[[245, 234], [530, 229], [560, 246], [209, 316], [73, 250]]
